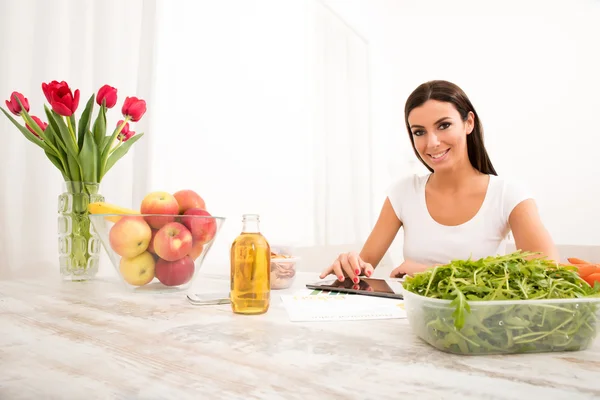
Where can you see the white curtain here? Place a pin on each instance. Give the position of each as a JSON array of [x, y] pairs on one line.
[[341, 132], [265, 110], [260, 106], [87, 44]]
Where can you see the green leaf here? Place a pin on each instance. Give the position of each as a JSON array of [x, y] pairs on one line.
[[59, 126], [461, 305], [105, 141], [30, 136], [100, 128], [57, 163], [84, 121], [120, 152], [88, 158], [74, 168]]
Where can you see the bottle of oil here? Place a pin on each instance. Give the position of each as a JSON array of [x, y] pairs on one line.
[[250, 269]]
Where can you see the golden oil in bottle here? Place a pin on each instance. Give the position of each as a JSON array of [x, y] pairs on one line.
[[250, 269]]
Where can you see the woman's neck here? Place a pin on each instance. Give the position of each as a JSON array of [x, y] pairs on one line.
[[453, 179]]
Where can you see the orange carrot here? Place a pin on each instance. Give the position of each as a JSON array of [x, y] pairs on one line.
[[592, 278], [575, 260], [587, 269]]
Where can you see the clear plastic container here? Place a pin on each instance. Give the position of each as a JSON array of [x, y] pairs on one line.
[[283, 272], [505, 326], [283, 266]]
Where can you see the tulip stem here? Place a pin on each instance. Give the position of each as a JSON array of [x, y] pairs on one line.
[[108, 150], [71, 130]]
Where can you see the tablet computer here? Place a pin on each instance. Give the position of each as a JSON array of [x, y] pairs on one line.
[[366, 286]]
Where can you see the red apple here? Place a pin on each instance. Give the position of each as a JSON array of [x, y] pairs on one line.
[[174, 273], [196, 250], [130, 236], [159, 203], [172, 241], [201, 224], [188, 199]]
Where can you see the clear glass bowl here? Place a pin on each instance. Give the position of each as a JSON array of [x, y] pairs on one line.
[[157, 260], [505, 326]]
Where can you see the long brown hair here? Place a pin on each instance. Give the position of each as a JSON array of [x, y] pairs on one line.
[[448, 92]]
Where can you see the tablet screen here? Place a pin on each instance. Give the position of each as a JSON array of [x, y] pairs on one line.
[[364, 286]]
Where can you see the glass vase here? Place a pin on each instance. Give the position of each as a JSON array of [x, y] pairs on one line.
[[78, 243]]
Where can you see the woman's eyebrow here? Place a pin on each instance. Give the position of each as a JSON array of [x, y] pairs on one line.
[[435, 123]]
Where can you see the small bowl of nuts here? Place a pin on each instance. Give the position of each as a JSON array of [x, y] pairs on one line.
[[283, 268]]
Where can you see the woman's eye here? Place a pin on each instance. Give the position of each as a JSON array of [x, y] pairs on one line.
[[418, 133], [445, 125]]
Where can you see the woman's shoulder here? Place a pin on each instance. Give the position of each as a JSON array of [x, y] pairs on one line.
[[405, 192], [510, 185], [510, 191], [412, 183]]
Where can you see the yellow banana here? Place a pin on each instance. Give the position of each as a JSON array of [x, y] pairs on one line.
[[101, 207]]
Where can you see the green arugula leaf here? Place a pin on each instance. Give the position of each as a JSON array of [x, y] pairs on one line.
[[465, 325]]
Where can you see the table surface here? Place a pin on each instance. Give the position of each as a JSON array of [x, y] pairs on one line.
[[94, 340]]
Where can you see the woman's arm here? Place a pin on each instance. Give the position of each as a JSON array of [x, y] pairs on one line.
[[382, 235], [529, 231]]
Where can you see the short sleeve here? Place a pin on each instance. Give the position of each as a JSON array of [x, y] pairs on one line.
[[400, 192], [514, 193]]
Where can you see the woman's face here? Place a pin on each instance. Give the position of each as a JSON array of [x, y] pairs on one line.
[[440, 135]]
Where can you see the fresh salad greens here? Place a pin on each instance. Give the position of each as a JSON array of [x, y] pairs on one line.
[[469, 326]]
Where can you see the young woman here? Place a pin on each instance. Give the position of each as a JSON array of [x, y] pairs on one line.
[[461, 208]]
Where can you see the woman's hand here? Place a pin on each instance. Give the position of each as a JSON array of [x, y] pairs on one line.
[[408, 268], [350, 265]]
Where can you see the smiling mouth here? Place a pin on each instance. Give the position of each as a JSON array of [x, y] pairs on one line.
[[439, 155]]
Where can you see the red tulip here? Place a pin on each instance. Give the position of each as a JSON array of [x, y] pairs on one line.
[[134, 108], [51, 87], [13, 104], [63, 101], [43, 125], [108, 94], [125, 133]]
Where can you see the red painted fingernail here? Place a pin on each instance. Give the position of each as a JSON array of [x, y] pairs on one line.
[[340, 278], [355, 279], [357, 271], [368, 273]]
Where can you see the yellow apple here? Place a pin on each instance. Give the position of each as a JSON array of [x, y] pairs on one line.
[[130, 236], [138, 270]]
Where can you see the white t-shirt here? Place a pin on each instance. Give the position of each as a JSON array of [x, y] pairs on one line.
[[429, 242]]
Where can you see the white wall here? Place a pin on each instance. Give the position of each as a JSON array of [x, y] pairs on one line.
[[531, 70]]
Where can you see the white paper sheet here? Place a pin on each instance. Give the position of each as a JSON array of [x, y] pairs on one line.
[[317, 305]]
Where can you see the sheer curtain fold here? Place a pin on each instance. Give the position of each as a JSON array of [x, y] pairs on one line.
[[342, 134]]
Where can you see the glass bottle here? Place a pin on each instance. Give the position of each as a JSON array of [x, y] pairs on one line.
[[250, 269]]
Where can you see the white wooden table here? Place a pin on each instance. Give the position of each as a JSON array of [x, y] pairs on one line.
[[95, 341]]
